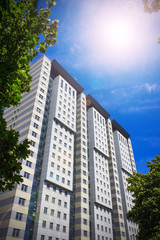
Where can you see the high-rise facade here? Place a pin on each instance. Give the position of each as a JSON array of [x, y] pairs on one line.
[[75, 177]]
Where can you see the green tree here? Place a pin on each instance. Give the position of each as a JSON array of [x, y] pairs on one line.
[[22, 26], [146, 193], [150, 7]]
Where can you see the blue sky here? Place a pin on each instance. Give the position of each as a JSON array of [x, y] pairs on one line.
[[110, 48]]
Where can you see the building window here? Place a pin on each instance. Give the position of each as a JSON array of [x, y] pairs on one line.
[[84, 200], [64, 228], [53, 200], [47, 197], [51, 225], [66, 87], [84, 181], [59, 202], [40, 103], [85, 233], [84, 190], [28, 163], [68, 183], [63, 180], [55, 138], [34, 134], [52, 212], [84, 164], [26, 175], [24, 187], [54, 146], [52, 164], [35, 125], [19, 216], [40, 96], [42, 90], [65, 204], [61, 83], [51, 174], [37, 118], [65, 216], [32, 143], [43, 224], [16, 232], [44, 73], [42, 237], [31, 153], [85, 210], [21, 201], [58, 214], [38, 110], [58, 227], [45, 210], [85, 221]]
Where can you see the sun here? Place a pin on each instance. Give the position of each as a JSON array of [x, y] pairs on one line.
[[114, 36], [119, 34]]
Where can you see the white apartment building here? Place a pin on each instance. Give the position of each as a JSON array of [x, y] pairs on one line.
[[75, 177]]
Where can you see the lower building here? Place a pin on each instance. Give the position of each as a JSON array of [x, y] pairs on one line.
[[75, 177]]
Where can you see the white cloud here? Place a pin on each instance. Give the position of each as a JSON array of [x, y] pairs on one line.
[[137, 109], [135, 89], [152, 88], [154, 141]]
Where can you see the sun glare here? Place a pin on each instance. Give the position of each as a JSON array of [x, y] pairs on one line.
[[116, 38], [119, 34], [114, 35]]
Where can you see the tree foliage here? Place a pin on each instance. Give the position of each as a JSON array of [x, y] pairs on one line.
[[22, 26], [150, 7], [146, 193]]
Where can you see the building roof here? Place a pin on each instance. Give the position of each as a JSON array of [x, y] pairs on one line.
[[117, 126], [91, 102], [57, 69]]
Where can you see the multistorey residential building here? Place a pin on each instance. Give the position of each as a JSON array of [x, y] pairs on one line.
[[75, 177]]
